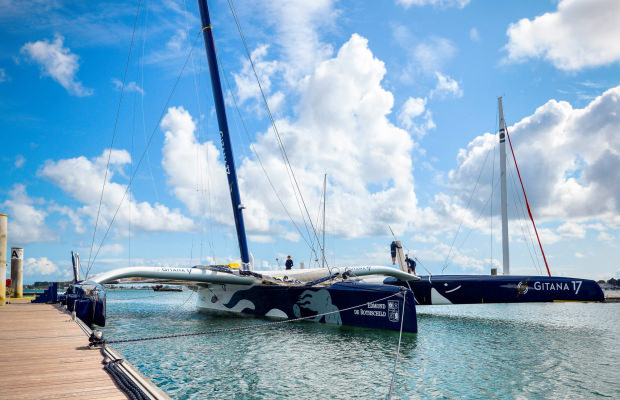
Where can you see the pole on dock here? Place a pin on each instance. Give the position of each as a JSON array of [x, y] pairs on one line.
[[17, 271], [3, 233]]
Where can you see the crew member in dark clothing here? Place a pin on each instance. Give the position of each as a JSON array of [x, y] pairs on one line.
[[410, 265], [289, 262], [393, 248]]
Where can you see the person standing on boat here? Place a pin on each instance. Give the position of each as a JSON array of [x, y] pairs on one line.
[[410, 265], [393, 248], [289, 263]]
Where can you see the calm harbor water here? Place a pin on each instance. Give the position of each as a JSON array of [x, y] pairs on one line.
[[507, 351]]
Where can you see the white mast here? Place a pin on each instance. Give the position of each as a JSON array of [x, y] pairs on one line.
[[324, 196], [502, 163]]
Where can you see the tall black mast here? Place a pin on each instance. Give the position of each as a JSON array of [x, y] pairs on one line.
[[207, 31]]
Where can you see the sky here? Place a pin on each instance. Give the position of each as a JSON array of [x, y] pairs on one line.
[[110, 144]]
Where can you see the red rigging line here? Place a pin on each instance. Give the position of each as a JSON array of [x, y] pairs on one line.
[[527, 203]]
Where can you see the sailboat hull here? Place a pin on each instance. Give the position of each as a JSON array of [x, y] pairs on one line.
[[347, 303], [472, 289]]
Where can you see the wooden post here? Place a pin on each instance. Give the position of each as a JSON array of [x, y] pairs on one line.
[[3, 232], [17, 272]]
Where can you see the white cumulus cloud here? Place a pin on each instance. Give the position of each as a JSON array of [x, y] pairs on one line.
[[297, 24], [572, 230], [568, 158], [26, 222], [446, 86], [195, 172], [342, 128], [39, 266], [415, 117], [579, 34], [57, 62], [129, 86], [83, 179], [245, 81]]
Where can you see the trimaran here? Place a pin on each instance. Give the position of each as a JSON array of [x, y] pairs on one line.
[[335, 295], [506, 288], [359, 296]]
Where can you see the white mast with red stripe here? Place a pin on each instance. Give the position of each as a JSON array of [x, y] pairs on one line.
[[503, 134]]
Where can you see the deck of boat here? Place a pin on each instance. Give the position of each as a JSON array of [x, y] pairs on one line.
[[45, 354]]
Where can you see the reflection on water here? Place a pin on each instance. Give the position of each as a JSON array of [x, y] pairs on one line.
[[469, 351]]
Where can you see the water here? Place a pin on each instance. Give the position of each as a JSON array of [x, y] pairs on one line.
[[505, 351]]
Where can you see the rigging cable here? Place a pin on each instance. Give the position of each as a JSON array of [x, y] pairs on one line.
[[321, 201], [118, 110], [273, 188], [275, 129], [148, 158], [201, 185], [161, 116], [517, 200], [484, 207], [527, 203], [467, 206]]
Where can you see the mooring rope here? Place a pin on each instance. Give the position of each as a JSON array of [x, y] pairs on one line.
[[242, 328], [128, 386], [400, 335]]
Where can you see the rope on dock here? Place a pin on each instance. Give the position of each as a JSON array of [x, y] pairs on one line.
[[96, 341], [124, 383]]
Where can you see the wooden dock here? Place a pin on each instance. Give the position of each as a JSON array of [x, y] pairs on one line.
[[44, 354]]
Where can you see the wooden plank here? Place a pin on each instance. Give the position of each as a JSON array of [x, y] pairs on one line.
[[45, 355]]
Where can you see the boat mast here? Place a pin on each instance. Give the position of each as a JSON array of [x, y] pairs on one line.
[[216, 85], [502, 163], [324, 196]]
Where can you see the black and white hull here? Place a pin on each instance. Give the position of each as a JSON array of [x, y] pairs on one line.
[[346, 303]]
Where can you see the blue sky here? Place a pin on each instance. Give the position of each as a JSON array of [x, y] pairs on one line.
[[396, 101]]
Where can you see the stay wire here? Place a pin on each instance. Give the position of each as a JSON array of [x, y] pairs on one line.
[[522, 217], [317, 224], [148, 158], [275, 129], [467, 206], [147, 146], [482, 210], [273, 124], [201, 185], [271, 184], [260, 162], [118, 110]]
